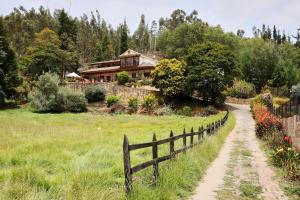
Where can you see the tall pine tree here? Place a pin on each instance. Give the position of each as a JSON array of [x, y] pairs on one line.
[[8, 65], [124, 38]]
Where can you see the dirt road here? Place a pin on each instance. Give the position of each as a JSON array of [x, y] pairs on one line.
[[240, 171]]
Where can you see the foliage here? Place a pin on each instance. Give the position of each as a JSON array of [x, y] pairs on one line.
[[258, 59], [266, 122], [46, 98], [186, 111], [168, 76], [132, 105], [149, 102], [165, 110], [94, 93], [284, 156], [295, 90], [9, 72], [50, 98], [241, 89], [2, 97], [265, 99], [111, 100], [75, 102], [124, 38], [123, 78], [269, 128], [280, 100], [282, 91], [141, 36], [45, 55], [67, 32], [209, 110], [211, 67]]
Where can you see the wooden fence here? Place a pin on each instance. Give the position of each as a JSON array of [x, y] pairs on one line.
[[289, 109], [127, 148], [289, 114]]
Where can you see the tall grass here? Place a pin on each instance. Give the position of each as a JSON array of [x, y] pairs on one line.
[[79, 156]]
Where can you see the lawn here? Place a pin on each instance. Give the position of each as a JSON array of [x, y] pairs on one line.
[[79, 156]]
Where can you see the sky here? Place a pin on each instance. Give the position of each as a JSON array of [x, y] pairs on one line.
[[230, 14]]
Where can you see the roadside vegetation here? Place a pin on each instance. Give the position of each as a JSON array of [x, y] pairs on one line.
[[278, 143], [71, 156]]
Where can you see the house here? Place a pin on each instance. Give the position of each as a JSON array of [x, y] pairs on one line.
[[137, 65]]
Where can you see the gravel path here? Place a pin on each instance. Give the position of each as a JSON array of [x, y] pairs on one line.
[[240, 171]]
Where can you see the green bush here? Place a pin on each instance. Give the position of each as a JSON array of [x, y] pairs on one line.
[[123, 78], [110, 100], [295, 90], [2, 97], [50, 98], [186, 111], [209, 110], [241, 89], [45, 98], [165, 110], [75, 102], [132, 105], [149, 102], [94, 93]]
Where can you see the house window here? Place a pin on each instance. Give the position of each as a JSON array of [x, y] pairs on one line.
[[146, 74], [108, 78], [133, 75]]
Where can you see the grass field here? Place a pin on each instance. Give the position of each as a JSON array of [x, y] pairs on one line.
[[79, 156]]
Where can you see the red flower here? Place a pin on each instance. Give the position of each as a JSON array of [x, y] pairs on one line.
[[286, 138]]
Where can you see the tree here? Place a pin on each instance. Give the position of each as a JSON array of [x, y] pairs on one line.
[[141, 36], [274, 34], [104, 49], [169, 77], [45, 55], [175, 42], [9, 78], [211, 67], [240, 33], [124, 38], [279, 76], [257, 60], [67, 33]]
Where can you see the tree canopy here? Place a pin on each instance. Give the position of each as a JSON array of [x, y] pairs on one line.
[[211, 67], [169, 77]]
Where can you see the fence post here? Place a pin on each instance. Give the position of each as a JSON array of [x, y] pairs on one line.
[[184, 140], [155, 156], [207, 129], [127, 166], [202, 133], [171, 144], [199, 134], [192, 137], [297, 108], [290, 107]]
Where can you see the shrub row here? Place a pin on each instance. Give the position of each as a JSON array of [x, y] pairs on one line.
[[49, 97], [241, 89], [270, 129]]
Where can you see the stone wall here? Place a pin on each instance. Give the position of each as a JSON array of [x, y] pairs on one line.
[[113, 89]]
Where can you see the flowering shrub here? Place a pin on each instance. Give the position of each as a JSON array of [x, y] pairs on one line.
[[269, 127], [287, 158], [266, 122]]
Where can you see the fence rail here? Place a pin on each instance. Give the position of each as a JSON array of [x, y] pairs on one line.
[[289, 109], [127, 148]]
